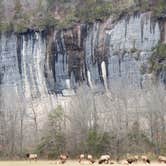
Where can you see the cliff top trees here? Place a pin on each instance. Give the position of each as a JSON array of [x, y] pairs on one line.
[[40, 14], [1, 10], [20, 21], [18, 10], [160, 8], [2, 20], [92, 10]]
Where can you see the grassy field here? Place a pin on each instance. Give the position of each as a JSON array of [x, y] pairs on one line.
[[68, 163]]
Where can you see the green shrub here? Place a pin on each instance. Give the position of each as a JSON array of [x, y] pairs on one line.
[[98, 143], [138, 141], [52, 145], [144, 5], [160, 51], [159, 8], [20, 27], [45, 22], [92, 11], [157, 59], [6, 27], [69, 20], [53, 142], [143, 69]]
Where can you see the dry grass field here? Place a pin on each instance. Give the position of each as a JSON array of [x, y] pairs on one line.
[[69, 163]]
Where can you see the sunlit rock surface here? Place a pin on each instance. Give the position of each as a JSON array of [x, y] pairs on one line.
[[41, 66]]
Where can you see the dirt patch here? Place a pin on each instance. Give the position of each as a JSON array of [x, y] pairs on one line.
[[68, 163]]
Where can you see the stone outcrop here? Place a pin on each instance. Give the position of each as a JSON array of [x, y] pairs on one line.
[[42, 64]]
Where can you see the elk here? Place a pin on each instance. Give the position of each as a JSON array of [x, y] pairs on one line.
[[104, 159], [81, 157], [63, 158], [162, 159], [133, 159], [145, 159], [90, 158], [31, 156]]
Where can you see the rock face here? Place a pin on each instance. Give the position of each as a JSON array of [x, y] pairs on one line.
[[40, 65]]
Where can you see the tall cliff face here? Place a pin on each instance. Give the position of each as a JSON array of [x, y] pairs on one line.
[[39, 65]]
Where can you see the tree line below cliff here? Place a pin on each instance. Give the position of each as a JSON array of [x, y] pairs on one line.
[[120, 121]]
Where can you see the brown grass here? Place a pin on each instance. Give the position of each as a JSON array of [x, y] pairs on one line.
[[68, 163]]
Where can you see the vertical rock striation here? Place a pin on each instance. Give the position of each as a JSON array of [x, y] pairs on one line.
[[42, 64]]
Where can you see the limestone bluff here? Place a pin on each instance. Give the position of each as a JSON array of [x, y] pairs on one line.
[[40, 65]]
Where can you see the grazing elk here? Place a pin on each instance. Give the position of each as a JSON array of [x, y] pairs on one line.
[[90, 158], [63, 158], [104, 159], [133, 159], [145, 159], [162, 159], [31, 156], [81, 157]]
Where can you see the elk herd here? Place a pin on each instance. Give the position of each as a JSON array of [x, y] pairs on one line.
[[103, 159]]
